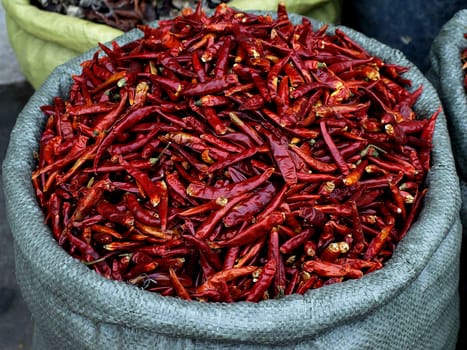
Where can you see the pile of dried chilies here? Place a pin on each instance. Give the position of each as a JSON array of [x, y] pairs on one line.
[[233, 157]]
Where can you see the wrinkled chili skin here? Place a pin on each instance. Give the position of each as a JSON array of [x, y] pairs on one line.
[[233, 158]]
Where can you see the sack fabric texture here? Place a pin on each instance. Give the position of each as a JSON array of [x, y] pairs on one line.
[[42, 40], [74, 307], [447, 77]]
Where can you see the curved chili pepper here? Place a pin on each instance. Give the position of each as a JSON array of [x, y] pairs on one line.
[[215, 141], [193, 161], [340, 161], [210, 115], [354, 176], [110, 82], [399, 200], [170, 62], [213, 220], [246, 128], [223, 57], [342, 66], [83, 247], [264, 281], [414, 211], [89, 199], [412, 126], [296, 241], [109, 167], [210, 86], [96, 228], [139, 213], [55, 204], [280, 279], [91, 109], [164, 203], [150, 189], [178, 286], [250, 256], [307, 283], [212, 101], [141, 269], [110, 212], [255, 231], [230, 257], [312, 162], [274, 204], [295, 78], [244, 211], [131, 119], [427, 134], [407, 168], [199, 190], [78, 149], [198, 67], [328, 269], [105, 122], [273, 74], [225, 275], [205, 250], [114, 246], [246, 41], [293, 282], [280, 152], [239, 139], [331, 252], [335, 209], [361, 264]]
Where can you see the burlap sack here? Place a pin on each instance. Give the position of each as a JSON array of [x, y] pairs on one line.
[[42, 40], [412, 303], [447, 77]]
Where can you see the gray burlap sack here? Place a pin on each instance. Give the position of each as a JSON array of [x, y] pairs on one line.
[[447, 76], [412, 303]]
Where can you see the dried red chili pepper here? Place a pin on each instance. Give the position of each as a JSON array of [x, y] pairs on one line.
[[150, 189], [260, 287], [250, 253], [245, 211], [280, 153], [328, 269], [312, 162], [203, 191], [226, 275], [297, 241], [255, 231], [178, 286], [215, 217]]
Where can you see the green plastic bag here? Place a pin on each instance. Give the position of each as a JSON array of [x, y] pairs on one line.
[[42, 40], [328, 11]]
